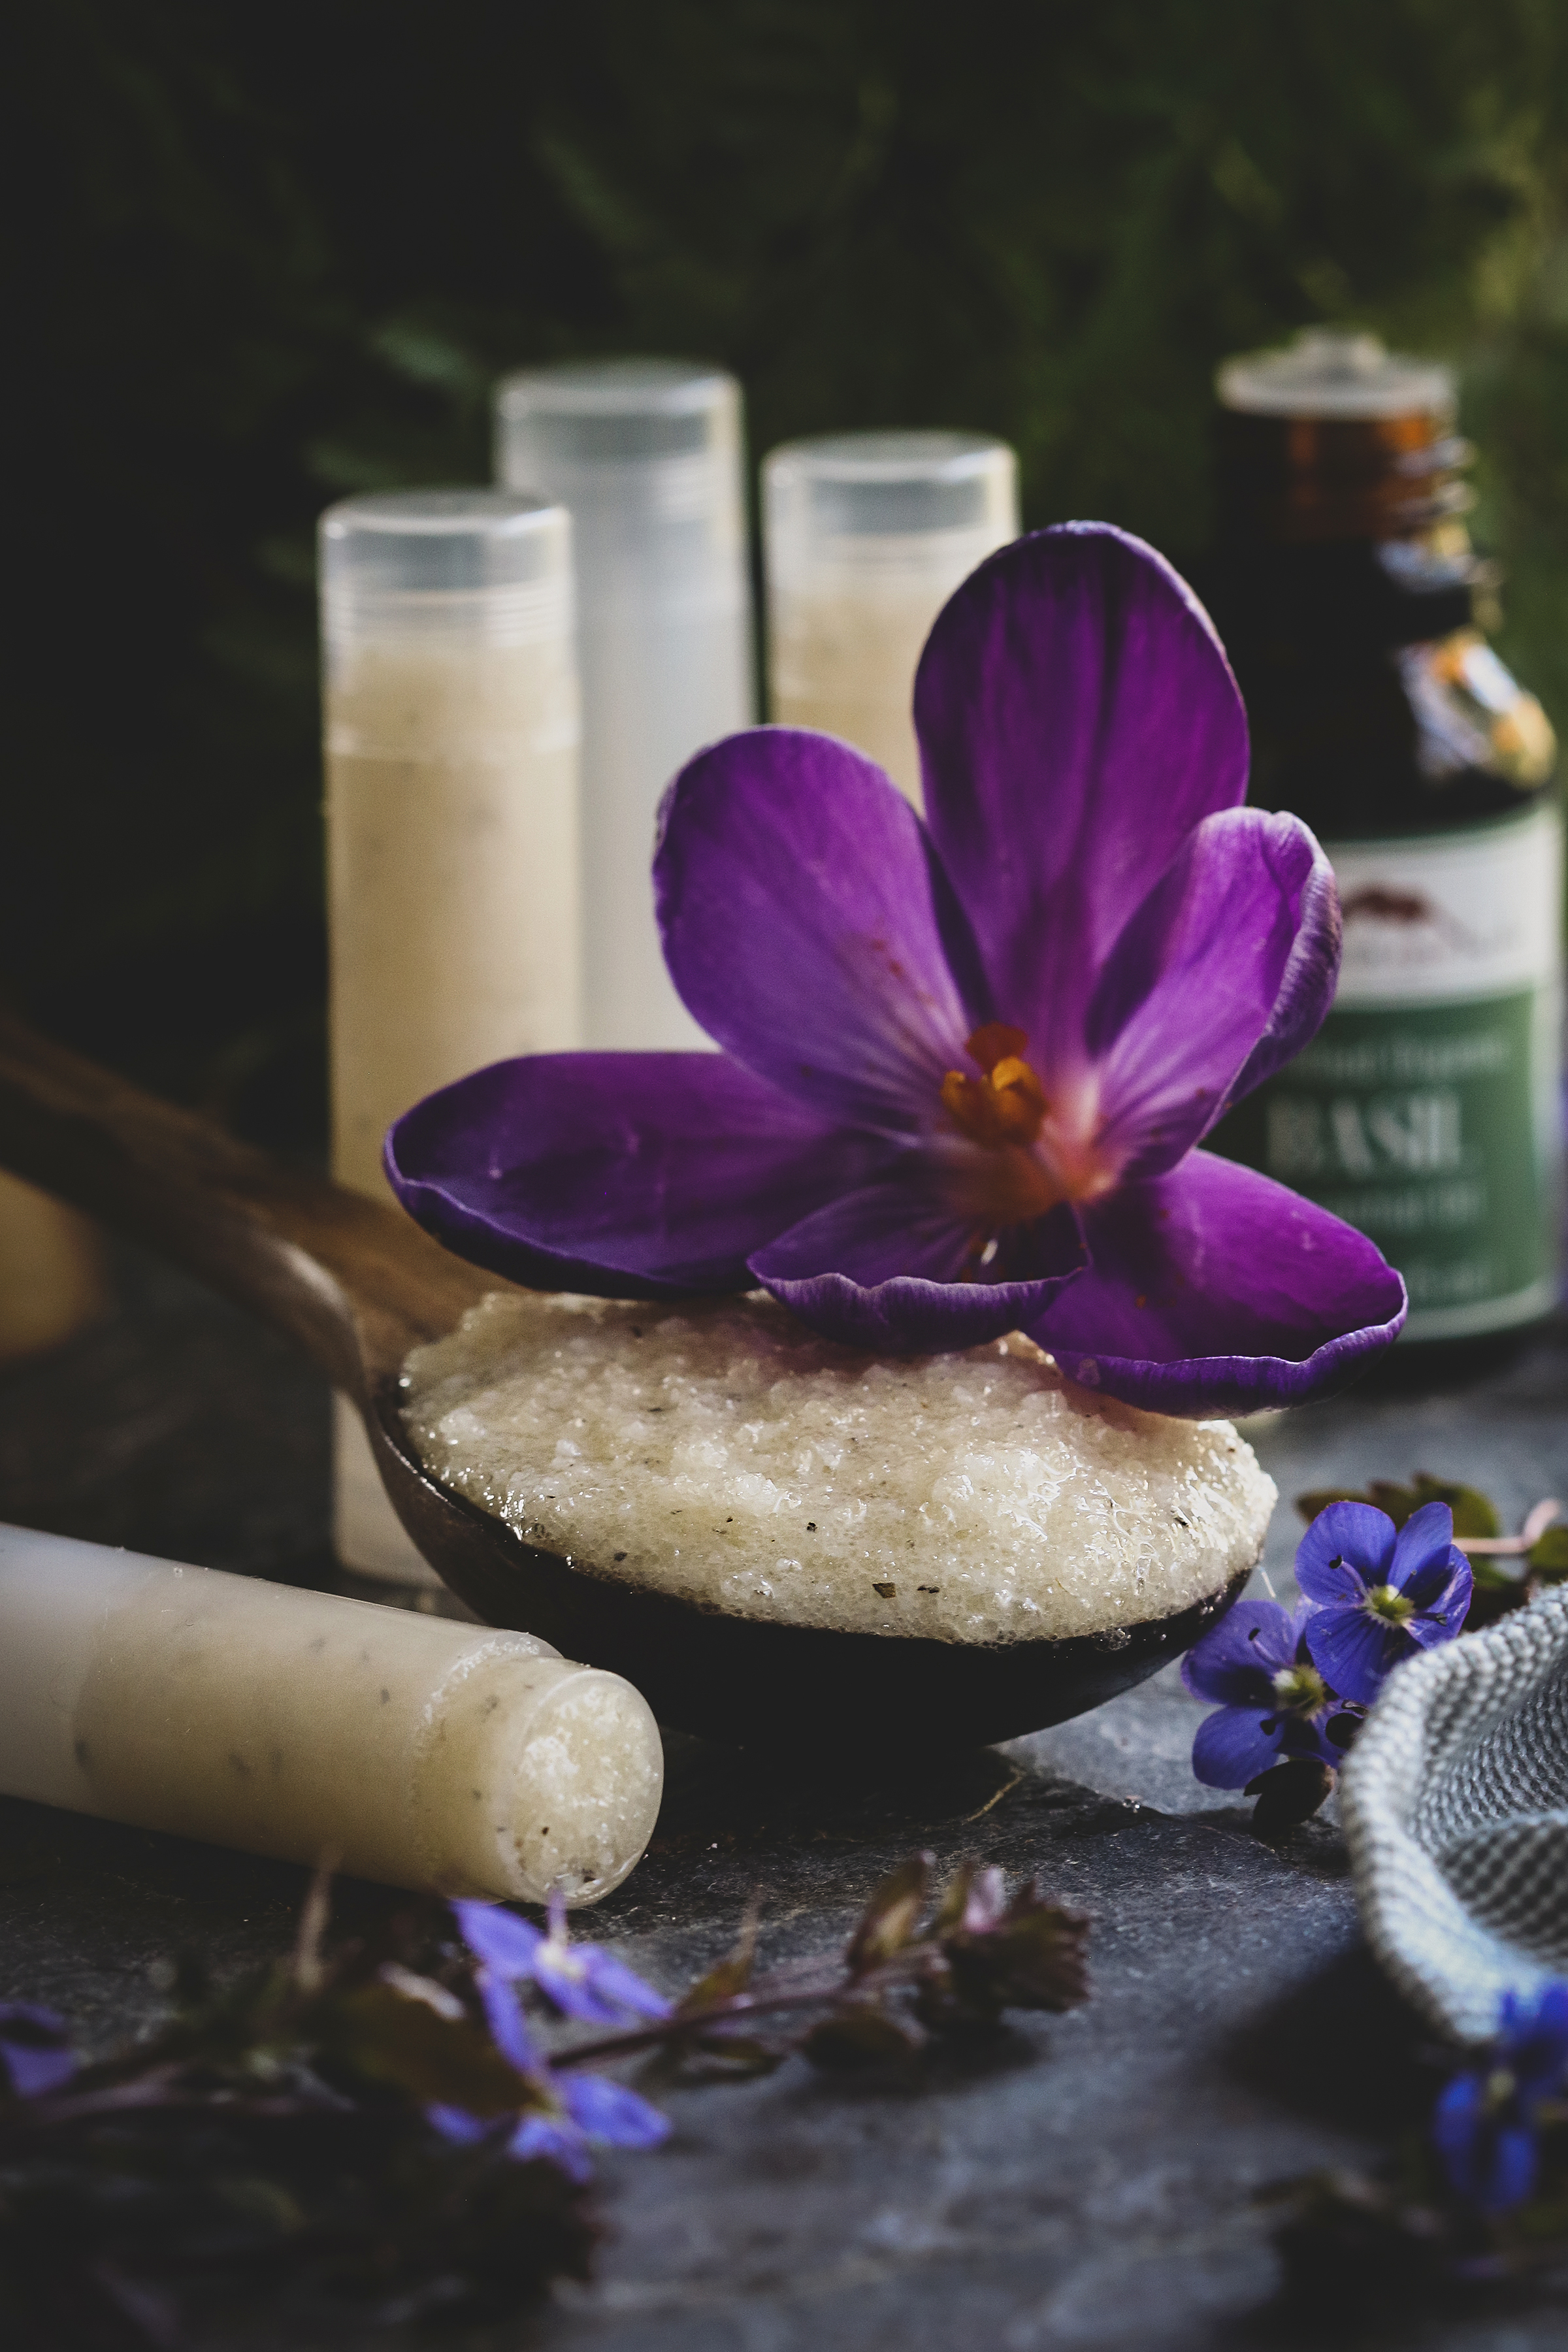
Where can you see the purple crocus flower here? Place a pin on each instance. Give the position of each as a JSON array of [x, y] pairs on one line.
[[965, 1063], [1486, 2122], [1273, 1702], [580, 1980], [34, 2056], [1383, 1593]]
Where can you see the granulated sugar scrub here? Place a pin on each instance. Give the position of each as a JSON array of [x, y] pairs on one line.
[[725, 1455]]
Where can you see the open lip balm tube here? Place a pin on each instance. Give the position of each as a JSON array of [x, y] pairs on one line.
[[646, 454], [452, 722], [394, 1746], [866, 536]]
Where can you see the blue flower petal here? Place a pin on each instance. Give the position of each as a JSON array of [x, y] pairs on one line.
[[609, 2112], [559, 2142], [1422, 1548], [35, 2058], [1236, 1661], [499, 1938], [1510, 2175], [456, 2124], [1230, 1748], [1347, 1546], [1354, 1652], [504, 2017]]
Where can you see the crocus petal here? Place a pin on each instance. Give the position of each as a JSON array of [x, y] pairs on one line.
[[1214, 1290], [1077, 717], [1356, 1652], [1239, 939], [1231, 1747], [608, 2111], [1347, 1549], [884, 1267], [809, 928], [626, 1175], [1424, 1552], [498, 1939]]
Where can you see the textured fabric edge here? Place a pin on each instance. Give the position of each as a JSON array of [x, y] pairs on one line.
[[1444, 1959]]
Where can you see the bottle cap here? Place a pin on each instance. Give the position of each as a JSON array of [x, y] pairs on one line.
[[631, 446], [488, 564], [905, 501], [1332, 372]]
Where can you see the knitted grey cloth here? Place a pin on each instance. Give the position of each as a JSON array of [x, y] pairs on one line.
[[1454, 1804]]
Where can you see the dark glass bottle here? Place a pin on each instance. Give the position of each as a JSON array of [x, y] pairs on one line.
[[1427, 1110]]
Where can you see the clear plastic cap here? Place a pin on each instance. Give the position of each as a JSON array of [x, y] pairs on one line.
[[910, 500], [590, 431], [484, 563], [1332, 372]]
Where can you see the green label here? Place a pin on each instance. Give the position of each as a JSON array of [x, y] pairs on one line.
[[1434, 1129]]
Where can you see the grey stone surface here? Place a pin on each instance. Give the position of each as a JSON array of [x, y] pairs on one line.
[[1083, 2181]]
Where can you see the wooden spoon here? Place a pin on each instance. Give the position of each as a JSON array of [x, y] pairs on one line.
[[358, 1284]]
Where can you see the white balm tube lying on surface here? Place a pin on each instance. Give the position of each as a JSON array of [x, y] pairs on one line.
[[398, 1746], [867, 535], [451, 730]]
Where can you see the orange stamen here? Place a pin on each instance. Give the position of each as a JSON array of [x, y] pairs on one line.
[[1008, 1105]]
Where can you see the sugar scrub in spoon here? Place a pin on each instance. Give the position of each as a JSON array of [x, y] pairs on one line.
[[728, 1455], [967, 1066]]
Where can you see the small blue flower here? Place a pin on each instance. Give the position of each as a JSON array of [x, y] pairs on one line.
[[1486, 2123], [33, 2050], [1274, 1703], [1383, 1594], [580, 1980]]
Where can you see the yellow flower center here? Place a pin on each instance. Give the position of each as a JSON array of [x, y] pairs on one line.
[[1034, 1156], [1390, 1606]]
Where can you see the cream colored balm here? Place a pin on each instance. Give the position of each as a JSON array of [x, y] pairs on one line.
[[451, 742], [867, 535], [398, 1746]]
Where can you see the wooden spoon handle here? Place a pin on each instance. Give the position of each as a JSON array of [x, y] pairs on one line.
[[355, 1283]]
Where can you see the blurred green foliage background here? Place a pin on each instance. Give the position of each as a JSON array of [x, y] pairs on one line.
[[269, 255]]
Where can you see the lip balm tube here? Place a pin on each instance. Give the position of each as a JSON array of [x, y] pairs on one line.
[[866, 536], [647, 456], [453, 878], [402, 1748]]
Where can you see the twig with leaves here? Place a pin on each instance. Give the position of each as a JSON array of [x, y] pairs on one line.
[[407, 2123]]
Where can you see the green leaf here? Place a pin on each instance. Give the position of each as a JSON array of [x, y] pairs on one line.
[[1548, 1556], [891, 1915], [729, 1976], [1474, 1513], [389, 2036], [862, 2034]]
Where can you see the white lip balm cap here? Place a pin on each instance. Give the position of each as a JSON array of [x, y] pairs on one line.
[[901, 502], [647, 453], [491, 565]]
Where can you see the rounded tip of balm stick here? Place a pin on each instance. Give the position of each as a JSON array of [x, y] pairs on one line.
[[535, 1776]]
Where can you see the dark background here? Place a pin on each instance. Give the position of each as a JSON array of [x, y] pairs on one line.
[[265, 255]]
